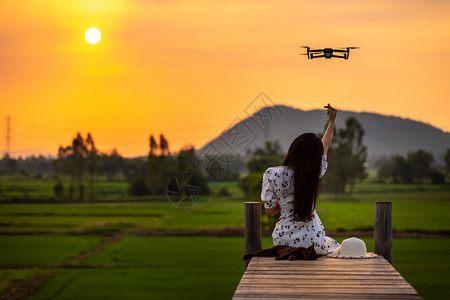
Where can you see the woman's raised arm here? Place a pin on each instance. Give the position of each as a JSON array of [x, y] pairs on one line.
[[328, 136]]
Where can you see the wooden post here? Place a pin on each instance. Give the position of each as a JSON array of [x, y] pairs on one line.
[[253, 230], [382, 233]]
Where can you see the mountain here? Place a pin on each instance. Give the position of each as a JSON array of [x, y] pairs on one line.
[[384, 135]]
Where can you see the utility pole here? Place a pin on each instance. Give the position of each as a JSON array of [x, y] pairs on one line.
[[8, 137]]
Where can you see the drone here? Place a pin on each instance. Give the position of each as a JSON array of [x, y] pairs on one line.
[[328, 53]]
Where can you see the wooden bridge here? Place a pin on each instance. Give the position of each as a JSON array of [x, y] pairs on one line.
[[324, 278]]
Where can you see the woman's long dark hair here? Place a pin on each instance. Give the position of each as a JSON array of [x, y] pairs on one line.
[[305, 158]]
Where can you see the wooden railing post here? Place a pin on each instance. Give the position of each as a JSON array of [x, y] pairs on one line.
[[253, 230], [382, 233]]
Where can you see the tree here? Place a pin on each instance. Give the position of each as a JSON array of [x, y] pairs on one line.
[[9, 165], [75, 159], [159, 168], [111, 164], [92, 164], [347, 156], [420, 162], [261, 159], [151, 167], [187, 163], [415, 168], [270, 149], [447, 160], [138, 187], [58, 189], [164, 145], [396, 168], [437, 177], [153, 145]]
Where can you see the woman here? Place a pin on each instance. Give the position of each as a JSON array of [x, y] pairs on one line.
[[293, 188]]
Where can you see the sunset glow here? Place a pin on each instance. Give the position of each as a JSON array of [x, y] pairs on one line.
[[188, 68]]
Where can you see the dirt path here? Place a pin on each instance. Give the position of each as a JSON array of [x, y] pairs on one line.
[[27, 287]]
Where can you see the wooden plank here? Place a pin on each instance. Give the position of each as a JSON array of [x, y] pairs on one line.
[[267, 278], [322, 279], [376, 268], [321, 261], [325, 278], [329, 271], [294, 290], [325, 282], [328, 296]]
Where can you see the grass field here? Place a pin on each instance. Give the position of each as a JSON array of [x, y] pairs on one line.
[[192, 267], [12, 187], [140, 267], [419, 212], [43, 250]]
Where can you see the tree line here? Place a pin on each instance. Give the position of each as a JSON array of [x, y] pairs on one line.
[[83, 164], [415, 167]]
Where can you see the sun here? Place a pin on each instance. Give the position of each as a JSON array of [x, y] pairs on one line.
[[93, 35]]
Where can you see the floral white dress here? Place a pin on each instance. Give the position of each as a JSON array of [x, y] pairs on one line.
[[278, 186]]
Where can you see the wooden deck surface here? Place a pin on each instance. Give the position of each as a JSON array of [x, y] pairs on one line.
[[325, 278]]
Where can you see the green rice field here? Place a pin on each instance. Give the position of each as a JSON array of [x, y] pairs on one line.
[[191, 267], [48, 238]]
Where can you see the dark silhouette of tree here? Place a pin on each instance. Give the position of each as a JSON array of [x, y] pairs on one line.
[[138, 187], [92, 164], [186, 160], [151, 168], [58, 189], [447, 160], [165, 167], [111, 164], [159, 167], [270, 149], [74, 160], [346, 156], [187, 163], [397, 169], [420, 162], [164, 145], [78, 157], [153, 145], [251, 184], [417, 167], [10, 165], [263, 158]]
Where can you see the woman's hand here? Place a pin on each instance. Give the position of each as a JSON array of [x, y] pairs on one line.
[[331, 112], [328, 136]]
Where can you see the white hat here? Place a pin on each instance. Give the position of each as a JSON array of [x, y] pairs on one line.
[[352, 248]]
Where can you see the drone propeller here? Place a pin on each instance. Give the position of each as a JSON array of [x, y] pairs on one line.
[[303, 54], [349, 48], [304, 46]]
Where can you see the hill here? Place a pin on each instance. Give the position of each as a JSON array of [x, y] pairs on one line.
[[384, 135]]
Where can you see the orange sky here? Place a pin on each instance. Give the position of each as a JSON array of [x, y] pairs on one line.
[[189, 68]]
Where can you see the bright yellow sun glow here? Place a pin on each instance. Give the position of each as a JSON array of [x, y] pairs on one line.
[[93, 35]]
